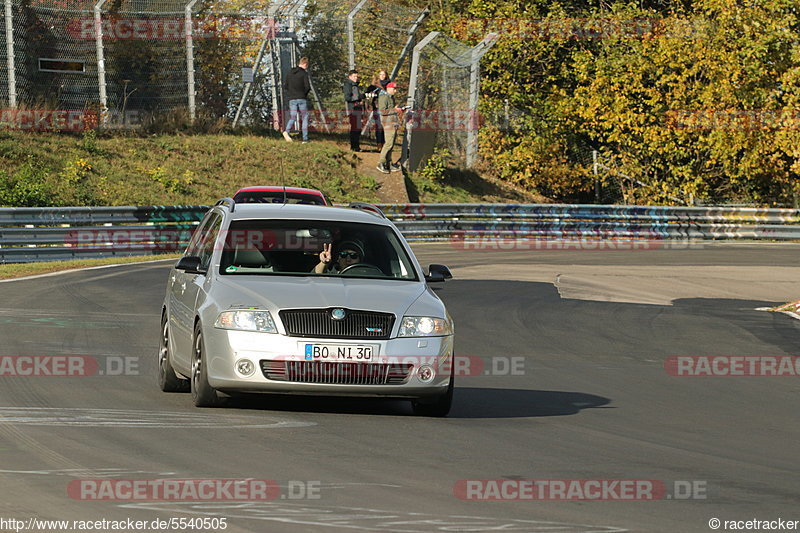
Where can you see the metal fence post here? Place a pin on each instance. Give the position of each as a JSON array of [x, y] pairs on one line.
[[351, 42], [474, 92], [101, 62], [190, 58], [248, 85], [412, 33], [12, 79], [412, 97]]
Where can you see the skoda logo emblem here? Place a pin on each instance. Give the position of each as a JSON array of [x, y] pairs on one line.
[[338, 314]]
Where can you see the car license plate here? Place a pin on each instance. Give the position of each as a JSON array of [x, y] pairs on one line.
[[339, 352]]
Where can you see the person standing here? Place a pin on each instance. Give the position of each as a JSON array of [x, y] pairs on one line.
[[297, 86], [390, 119], [379, 83], [353, 98]]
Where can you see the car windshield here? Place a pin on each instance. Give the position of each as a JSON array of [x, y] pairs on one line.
[[277, 197], [314, 248]]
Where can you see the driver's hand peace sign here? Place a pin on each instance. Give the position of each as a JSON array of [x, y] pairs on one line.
[[325, 255]]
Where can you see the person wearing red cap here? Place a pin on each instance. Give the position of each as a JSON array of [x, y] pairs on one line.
[[389, 118]]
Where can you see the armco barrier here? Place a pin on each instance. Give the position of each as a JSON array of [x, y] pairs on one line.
[[56, 233], [42, 234]]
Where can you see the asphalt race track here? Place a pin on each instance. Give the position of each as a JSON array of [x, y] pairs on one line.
[[568, 352]]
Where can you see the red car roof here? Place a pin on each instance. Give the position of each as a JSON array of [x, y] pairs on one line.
[[278, 188]]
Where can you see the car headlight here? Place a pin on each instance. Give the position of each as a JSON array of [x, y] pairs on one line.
[[425, 326], [246, 321]]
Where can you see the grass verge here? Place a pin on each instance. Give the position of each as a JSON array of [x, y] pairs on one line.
[[18, 270], [52, 169], [65, 169]]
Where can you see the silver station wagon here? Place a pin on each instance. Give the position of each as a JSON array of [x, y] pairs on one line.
[[301, 299]]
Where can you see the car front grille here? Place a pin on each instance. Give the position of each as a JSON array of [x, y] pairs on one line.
[[319, 323], [336, 373]]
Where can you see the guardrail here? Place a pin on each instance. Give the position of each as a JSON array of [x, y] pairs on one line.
[[445, 222], [56, 233], [42, 234]]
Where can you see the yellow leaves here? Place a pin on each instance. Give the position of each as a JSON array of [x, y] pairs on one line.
[[617, 93], [76, 171], [83, 165]]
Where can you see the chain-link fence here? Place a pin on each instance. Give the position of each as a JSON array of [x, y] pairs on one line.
[[125, 60], [443, 97], [366, 35], [132, 62], [383, 35], [55, 63]]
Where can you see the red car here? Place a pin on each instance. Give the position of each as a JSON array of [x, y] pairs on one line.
[[279, 195]]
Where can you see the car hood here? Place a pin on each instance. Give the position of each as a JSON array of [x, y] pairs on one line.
[[276, 293]]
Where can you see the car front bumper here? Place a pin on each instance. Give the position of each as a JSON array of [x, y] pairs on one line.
[[224, 348]]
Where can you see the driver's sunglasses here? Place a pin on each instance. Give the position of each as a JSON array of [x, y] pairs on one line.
[[351, 255]]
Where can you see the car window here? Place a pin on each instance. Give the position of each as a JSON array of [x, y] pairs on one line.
[[292, 247], [207, 240], [193, 248]]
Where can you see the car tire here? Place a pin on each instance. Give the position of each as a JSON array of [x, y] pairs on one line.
[[168, 380], [203, 394], [439, 407]]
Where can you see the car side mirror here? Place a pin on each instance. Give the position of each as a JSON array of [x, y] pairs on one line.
[[438, 273], [190, 264]]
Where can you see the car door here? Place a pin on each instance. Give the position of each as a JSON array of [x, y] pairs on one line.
[[185, 288]]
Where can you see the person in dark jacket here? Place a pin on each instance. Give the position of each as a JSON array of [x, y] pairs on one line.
[[297, 86], [353, 98], [379, 82]]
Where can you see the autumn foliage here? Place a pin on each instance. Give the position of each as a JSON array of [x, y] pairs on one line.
[[698, 101]]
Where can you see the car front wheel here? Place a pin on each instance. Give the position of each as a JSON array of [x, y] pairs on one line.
[[168, 381], [203, 394]]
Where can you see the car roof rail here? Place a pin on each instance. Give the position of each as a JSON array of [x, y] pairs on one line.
[[226, 201], [370, 208]]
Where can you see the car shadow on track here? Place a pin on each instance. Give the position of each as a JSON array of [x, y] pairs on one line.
[[520, 403], [468, 402]]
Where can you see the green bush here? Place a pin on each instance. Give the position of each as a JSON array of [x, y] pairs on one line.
[[89, 142], [181, 184], [26, 188], [435, 168]]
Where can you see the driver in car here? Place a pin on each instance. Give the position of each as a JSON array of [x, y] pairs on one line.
[[348, 253]]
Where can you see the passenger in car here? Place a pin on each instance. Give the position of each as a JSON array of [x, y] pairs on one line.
[[348, 253]]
